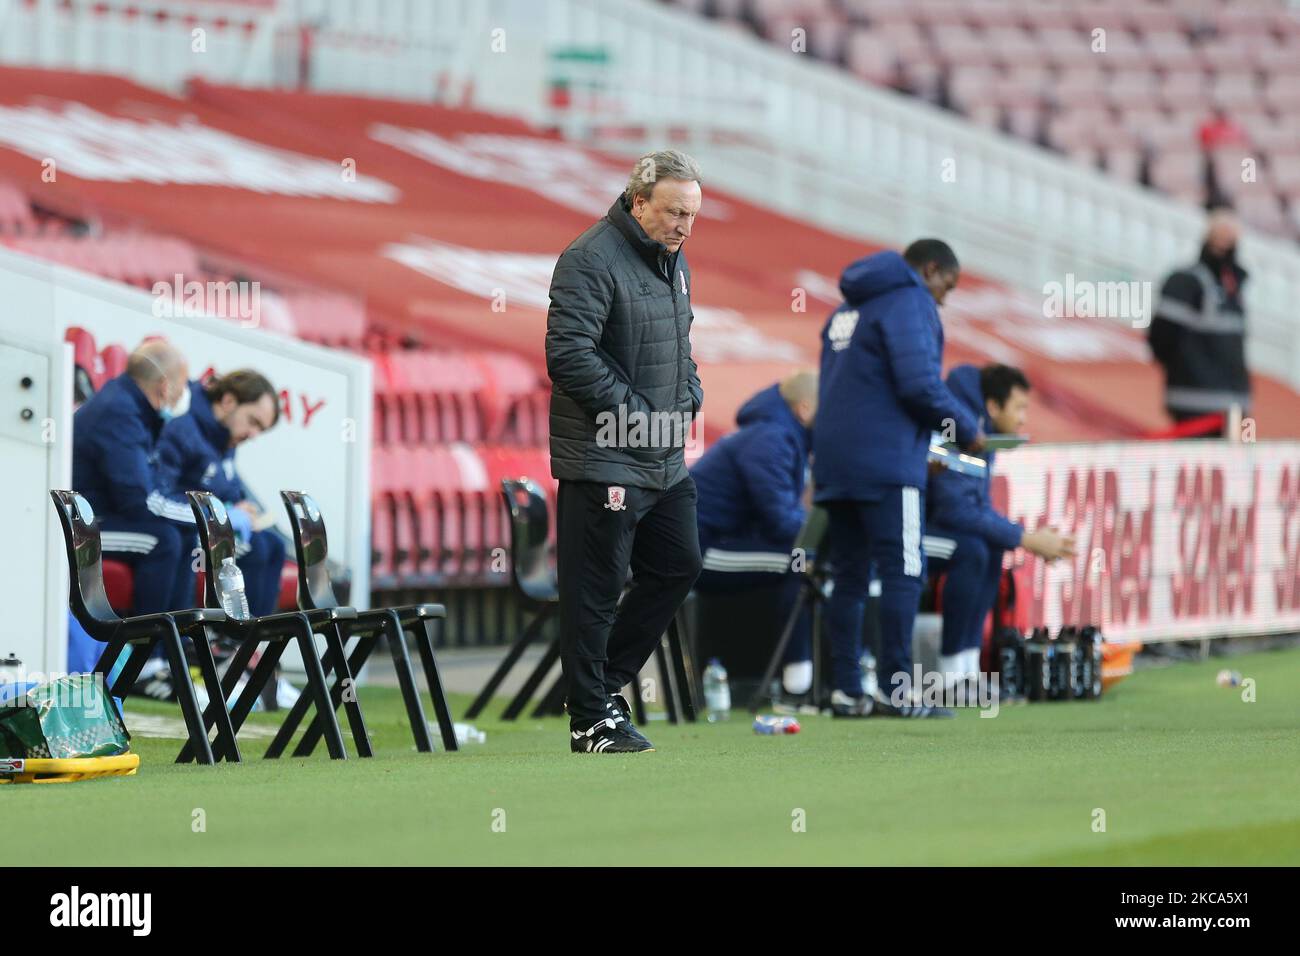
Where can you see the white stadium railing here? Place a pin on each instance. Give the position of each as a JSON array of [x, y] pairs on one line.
[[784, 130]]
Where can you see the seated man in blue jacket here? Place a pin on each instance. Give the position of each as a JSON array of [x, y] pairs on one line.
[[750, 509], [882, 395], [966, 537], [115, 466], [198, 454]]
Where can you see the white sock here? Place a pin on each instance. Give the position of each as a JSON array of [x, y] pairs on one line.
[[971, 662], [797, 677], [950, 666]]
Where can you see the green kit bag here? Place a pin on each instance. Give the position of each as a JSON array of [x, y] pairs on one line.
[[67, 717]]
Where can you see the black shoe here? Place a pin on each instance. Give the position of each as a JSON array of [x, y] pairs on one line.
[[886, 709], [622, 714], [607, 736], [843, 705]]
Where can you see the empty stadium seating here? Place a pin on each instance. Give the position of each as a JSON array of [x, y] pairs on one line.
[[1124, 87]]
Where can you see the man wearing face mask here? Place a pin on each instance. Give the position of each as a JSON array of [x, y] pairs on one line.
[[198, 453], [1198, 334], [115, 465]]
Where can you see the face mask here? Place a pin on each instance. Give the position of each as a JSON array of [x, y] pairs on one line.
[[168, 412]]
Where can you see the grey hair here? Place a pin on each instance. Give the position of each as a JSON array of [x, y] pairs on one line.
[[661, 164]]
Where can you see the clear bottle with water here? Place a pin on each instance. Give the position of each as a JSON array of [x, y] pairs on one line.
[[231, 588], [11, 669], [717, 692]]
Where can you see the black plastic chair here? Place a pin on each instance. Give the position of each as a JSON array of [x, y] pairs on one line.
[[316, 593], [813, 578], [90, 606], [217, 538], [534, 583]]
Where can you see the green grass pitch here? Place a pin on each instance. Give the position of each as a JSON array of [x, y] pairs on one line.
[[1185, 772]]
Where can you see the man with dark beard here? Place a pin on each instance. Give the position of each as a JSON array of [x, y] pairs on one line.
[[1198, 334]]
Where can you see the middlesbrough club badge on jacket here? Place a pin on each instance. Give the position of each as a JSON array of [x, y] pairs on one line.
[[617, 498]]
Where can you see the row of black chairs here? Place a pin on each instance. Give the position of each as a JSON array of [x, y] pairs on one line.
[[319, 612]]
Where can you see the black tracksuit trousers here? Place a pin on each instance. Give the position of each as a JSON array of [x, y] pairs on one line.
[[601, 531]]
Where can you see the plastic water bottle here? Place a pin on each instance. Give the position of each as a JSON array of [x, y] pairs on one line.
[[11, 670], [717, 692], [774, 726], [231, 588]]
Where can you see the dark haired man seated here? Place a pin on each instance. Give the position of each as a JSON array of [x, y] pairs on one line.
[[198, 454], [964, 535]]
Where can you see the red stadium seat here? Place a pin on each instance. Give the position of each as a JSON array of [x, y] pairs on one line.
[[113, 358], [119, 585], [15, 211], [89, 367]]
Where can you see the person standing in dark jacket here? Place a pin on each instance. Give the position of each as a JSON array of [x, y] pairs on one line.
[[1198, 334], [197, 452], [624, 393], [882, 395], [115, 466], [751, 486], [965, 536]]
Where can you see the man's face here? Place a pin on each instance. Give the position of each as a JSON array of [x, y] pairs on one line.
[[1009, 418], [668, 215], [939, 281], [806, 412], [168, 390], [1221, 237], [247, 420]]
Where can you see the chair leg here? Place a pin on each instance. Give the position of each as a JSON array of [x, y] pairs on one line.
[[684, 669], [320, 694], [175, 650], [666, 682], [521, 643], [778, 653], [360, 654], [257, 681], [346, 686], [137, 654], [216, 714], [534, 681], [108, 659], [423, 632], [406, 680], [638, 705], [552, 702]]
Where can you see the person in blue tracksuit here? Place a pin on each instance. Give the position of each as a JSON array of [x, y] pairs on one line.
[[198, 454], [750, 487], [115, 467], [965, 536], [882, 395]]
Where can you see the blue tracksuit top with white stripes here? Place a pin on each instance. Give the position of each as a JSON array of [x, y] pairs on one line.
[[961, 503], [196, 454], [882, 391], [115, 461]]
